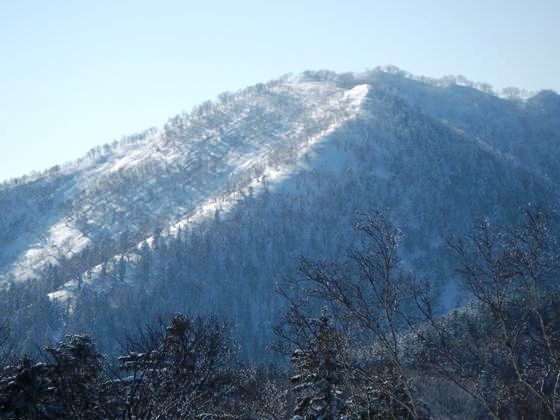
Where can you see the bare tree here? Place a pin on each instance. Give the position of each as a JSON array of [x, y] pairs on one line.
[[502, 350], [498, 355], [373, 300], [512, 273]]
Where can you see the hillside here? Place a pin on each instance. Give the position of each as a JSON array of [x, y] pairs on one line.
[[208, 213]]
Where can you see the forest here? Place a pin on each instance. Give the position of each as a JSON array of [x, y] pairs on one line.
[[362, 337]]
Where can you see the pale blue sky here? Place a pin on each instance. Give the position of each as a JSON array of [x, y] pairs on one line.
[[74, 74]]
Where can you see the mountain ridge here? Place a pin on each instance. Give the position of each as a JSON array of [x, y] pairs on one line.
[[548, 95]]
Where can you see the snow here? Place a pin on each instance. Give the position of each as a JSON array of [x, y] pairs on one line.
[[241, 164], [357, 94], [62, 240], [238, 147]]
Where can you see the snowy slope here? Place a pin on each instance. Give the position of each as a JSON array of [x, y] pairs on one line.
[[272, 176], [208, 212], [203, 156]]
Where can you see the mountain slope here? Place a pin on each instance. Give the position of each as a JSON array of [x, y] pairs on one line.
[[208, 213], [125, 193], [527, 131]]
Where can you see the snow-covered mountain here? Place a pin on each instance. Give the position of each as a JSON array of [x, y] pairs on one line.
[[206, 214], [158, 179]]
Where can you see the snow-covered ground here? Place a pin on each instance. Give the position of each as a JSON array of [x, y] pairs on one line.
[[239, 157], [276, 177]]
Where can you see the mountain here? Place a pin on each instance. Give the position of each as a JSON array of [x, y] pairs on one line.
[[209, 212]]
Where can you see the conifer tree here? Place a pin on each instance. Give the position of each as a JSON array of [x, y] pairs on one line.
[[318, 377]]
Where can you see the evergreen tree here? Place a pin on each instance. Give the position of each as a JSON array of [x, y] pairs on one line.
[[318, 376]]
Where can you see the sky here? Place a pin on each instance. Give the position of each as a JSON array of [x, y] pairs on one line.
[[75, 74]]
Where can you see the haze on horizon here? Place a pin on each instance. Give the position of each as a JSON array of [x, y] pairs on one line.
[[78, 75]]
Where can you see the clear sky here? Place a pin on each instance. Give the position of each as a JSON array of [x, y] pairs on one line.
[[74, 74]]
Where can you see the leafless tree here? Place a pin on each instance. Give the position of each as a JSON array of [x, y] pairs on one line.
[[512, 273], [503, 348], [373, 300], [499, 354]]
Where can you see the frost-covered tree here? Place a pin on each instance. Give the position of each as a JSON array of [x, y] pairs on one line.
[[318, 375], [178, 371]]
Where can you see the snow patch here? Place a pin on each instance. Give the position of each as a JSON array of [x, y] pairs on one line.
[[62, 239]]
